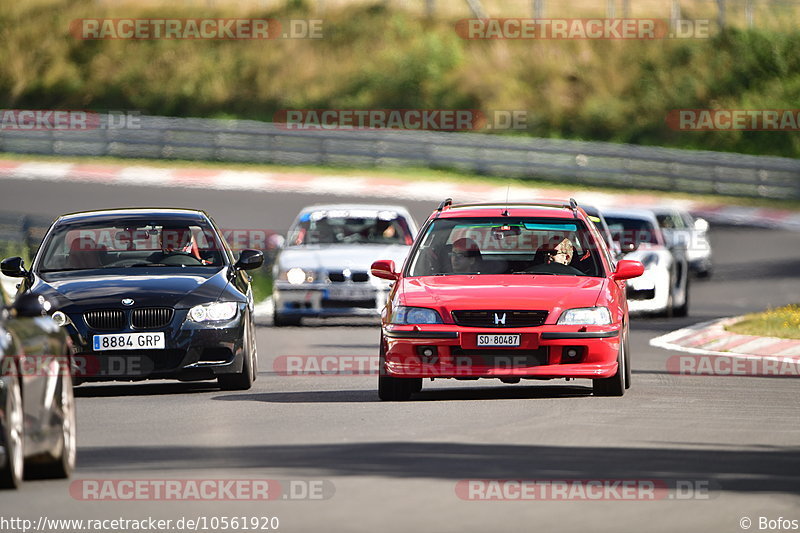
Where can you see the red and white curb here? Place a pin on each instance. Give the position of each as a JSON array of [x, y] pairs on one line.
[[711, 338], [367, 187]]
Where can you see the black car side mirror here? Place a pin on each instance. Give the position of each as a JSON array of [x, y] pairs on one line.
[[29, 305], [13, 267], [250, 259]]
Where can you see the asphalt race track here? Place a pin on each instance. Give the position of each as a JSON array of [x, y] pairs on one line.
[[395, 466]]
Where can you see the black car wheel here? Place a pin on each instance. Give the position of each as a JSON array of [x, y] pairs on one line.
[[395, 389], [13, 437], [683, 310], [61, 463], [627, 363], [280, 320], [614, 385], [244, 379]]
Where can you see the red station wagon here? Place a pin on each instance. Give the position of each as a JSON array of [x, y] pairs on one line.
[[515, 291]]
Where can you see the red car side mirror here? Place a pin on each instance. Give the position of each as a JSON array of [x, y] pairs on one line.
[[384, 269], [627, 269]]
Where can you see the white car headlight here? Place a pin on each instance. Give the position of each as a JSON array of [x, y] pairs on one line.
[[585, 316], [298, 276], [213, 312], [415, 315]]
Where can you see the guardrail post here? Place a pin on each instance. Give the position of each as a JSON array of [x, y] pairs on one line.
[[675, 13], [538, 9]]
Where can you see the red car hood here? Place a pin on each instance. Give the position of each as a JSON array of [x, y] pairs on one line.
[[551, 293]]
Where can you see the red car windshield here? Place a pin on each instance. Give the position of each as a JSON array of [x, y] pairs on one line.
[[506, 245]]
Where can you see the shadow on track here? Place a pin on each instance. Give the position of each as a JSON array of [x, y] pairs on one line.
[[107, 390], [427, 395], [762, 469]]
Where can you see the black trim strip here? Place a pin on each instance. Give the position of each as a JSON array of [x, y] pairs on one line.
[[553, 335], [421, 334]]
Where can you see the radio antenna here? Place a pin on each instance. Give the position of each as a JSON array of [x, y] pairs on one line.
[[505, 211]]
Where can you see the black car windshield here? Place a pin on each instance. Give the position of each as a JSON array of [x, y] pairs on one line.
[[131, 244], [506, 245], [350, 226], [632, 230]]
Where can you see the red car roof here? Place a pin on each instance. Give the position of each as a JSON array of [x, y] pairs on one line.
[[495, 209]]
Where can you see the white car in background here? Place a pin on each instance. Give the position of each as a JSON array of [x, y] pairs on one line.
[[323, 268], [664, 287], [680, 227]]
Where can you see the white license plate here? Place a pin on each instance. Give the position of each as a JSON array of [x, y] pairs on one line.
[[349, 292], [498, 340], [129, 341]]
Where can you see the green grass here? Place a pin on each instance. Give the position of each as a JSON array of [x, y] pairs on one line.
[[378, 57], [782, 322], [408, 174], [262, 284]]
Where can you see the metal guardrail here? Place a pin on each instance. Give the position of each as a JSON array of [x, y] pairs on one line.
[[568, 162]]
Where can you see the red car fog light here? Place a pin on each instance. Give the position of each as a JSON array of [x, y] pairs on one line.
[[427, 353], [572, 354]]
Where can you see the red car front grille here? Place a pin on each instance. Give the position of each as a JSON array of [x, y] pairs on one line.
[[499, 318]]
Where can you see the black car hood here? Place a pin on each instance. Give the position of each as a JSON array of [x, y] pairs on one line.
[[154, 287]]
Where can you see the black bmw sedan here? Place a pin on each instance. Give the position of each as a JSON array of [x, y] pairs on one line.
[[147, 294]]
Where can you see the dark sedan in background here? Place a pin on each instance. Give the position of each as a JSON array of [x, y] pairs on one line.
[[147, 294], [37, 409]]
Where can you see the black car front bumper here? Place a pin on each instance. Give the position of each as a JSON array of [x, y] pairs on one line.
[[192, 351]]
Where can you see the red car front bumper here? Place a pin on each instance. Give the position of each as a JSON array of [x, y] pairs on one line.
[[448, 351]]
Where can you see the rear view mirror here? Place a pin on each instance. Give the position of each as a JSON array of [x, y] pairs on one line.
[[627, 269], [501, 232], [384, 269], [250, 259], [13, 267]]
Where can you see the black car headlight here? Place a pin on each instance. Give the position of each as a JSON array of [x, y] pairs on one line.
[[213, 312]]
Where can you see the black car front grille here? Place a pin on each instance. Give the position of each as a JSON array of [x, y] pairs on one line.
[[499, 357], [346, 304], [499, 319], [338, 276], [151, 317], [645, 294], [105, 319]]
